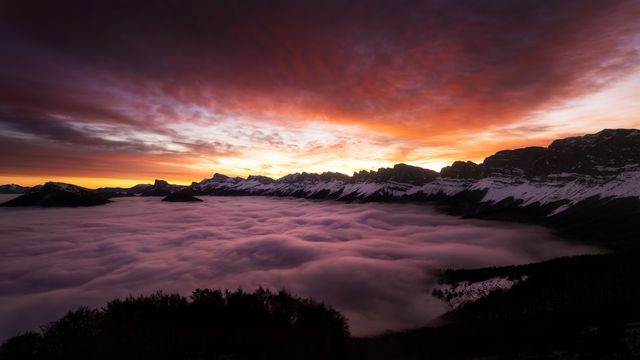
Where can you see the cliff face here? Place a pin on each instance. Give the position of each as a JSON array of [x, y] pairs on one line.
[[605, 164]]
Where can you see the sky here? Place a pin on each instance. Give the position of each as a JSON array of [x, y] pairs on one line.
[[101, 93]]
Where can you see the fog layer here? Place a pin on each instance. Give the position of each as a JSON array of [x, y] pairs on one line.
[[372, 262]]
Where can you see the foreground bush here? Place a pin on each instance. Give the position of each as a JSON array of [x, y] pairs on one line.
[[212, 324]]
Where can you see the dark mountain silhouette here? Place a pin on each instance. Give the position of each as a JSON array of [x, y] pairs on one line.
[[462, 170], [161, 188], [13, 189], [185, 195], [401, 173], [58, 195], [604, 153], [313, 178], [123, 192]]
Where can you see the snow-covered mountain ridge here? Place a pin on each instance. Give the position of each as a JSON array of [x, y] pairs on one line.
[[572, 188], [587, 186], [603, 166]]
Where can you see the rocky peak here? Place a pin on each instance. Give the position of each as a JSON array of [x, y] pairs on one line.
[[160, 188], [607, 151], [160, 184], [217, 177], [58, 186], [314, 178], [517, 162], [611, 137], [261, 179], [461, 170], [401, 173]]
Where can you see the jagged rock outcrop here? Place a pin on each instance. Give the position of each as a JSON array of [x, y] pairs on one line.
[[401, 173], [314, 178], [607, 152], [161, 188], [54, 194], [461, 170], [261, 179], [514, 163]]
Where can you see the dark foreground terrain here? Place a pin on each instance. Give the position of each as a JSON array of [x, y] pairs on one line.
[[212, 324], [584, 307]]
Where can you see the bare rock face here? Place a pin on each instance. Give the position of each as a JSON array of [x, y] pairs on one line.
[[260, 179], [461, 170], [54, 194], [159, 184], [161, 188], [401, 173], [220, 177], [313, 178], [518, 162], [607, 152]]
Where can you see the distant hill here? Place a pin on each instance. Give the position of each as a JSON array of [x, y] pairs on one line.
[[13, 189], [53, 194]]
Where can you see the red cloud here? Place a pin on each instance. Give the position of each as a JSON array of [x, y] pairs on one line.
[[415, 71]]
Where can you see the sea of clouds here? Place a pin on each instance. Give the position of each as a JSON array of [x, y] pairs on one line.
[[373, 262]]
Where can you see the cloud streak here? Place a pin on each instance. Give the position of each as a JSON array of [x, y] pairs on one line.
[[373, 262]]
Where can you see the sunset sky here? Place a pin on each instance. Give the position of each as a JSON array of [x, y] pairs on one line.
[[103, 93]]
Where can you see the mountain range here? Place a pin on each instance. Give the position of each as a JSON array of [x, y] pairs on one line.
[[582, 186]]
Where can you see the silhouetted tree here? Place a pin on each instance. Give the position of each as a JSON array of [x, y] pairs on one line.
[[210, 325]]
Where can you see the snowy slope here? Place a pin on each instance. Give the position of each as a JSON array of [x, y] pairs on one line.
[[570, 188], [458, 294]]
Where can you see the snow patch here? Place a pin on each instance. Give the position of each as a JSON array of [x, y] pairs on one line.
[[463, 292]]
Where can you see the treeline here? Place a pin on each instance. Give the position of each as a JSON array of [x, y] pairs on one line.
[[211, 324]]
